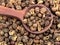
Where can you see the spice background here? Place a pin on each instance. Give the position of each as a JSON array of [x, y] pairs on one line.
[[12, 31]]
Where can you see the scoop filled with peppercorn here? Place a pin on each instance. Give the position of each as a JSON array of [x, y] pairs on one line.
[[38, 18]]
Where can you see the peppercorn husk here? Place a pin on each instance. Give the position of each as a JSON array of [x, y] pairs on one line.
[[18, 43], [43, 10], [14, 37], [6, 34], [25, 39], [58, 25], [1, 32], [31, 11], [33, 28], [4, 17], [37, 9], [32, 2], [30, 42], [18, 7], [3, 43], [40, 1], [39, 15], [36, 41], [49, 43], [34, 25], [32, 18], [6, 39], [54, 9], [27, 15], [39, 27], [46, 38], [11, 32], [25, 21], [5, 30], [14, 25], [1, 25], [1, 38], [58, 38], [32, 35], [18, 27], [57, 13], [30, 24], [14, 20]]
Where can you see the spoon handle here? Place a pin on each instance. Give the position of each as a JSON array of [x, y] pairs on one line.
[[11, 12]]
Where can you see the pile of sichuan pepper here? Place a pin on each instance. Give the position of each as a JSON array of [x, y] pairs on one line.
[[13, 33]]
